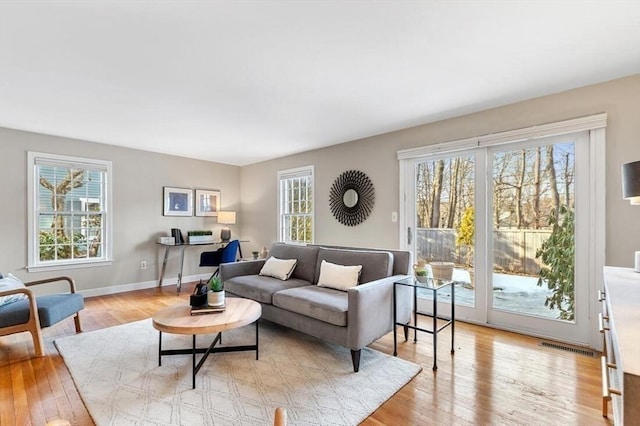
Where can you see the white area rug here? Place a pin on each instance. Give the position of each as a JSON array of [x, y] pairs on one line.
[[117, 375]]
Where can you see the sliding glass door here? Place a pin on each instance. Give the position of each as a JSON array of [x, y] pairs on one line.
[[512, 222], [539, 201]]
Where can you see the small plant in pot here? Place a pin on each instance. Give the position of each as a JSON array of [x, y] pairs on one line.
[[216, 295], [421, 275]]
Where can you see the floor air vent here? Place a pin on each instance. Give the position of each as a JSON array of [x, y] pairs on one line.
[[581, 351]]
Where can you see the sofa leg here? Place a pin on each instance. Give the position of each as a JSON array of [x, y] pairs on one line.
[[355, 358], [406, 332]]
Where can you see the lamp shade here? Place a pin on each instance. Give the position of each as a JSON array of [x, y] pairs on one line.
[[228, 218], [631, 182]]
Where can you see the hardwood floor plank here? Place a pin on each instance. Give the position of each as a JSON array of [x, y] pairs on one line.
[[494, 377]]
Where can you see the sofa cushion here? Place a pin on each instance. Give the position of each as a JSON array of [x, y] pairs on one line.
[[11, 282], [321, 303], [375, 264], [339, 277], [306, 255], [260, 288], [278, 268]]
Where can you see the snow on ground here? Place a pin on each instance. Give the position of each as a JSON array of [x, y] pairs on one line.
[[515, 293]]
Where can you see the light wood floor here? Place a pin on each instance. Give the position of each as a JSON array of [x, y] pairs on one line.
[[495, 377]]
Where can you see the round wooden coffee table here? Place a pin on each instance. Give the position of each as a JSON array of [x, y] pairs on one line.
[[177, 319]]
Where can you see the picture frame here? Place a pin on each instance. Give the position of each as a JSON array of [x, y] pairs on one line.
[[177, 201], [207, 202]]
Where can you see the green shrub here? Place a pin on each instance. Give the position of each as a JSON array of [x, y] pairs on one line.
[[558, 256]]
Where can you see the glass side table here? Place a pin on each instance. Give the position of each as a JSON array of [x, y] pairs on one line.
[[434, 286]]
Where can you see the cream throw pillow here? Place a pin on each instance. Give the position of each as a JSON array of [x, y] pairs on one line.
[[11, 282], [339, 277], [278, 268]]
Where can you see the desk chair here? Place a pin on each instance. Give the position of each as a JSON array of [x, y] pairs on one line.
[[226, 254], [33, 313]]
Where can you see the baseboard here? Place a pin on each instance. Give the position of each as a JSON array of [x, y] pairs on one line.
[[103, 291]]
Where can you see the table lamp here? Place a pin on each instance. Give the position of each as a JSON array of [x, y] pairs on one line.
[[631, 192], [226, 218]]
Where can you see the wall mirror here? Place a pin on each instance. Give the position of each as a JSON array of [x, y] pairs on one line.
[[351, 198]]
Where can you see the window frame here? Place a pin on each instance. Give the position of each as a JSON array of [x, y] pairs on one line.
[[284, 175], [36, 159]]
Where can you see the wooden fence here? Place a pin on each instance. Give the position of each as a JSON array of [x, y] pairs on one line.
[[514, 250]]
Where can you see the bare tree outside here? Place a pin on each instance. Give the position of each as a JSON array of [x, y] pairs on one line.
[[529, 185], [70, 214]]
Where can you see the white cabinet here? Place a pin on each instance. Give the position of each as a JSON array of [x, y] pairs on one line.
[[620, 324]]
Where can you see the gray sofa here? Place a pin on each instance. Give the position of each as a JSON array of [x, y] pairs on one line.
[[352, 318]]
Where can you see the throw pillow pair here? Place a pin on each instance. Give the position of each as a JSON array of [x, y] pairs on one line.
[[332, 275]]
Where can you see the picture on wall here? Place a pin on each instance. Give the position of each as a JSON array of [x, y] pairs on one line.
[[207, 202], [178, 201]]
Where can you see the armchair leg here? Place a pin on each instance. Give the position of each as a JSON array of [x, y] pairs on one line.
[[38, 344], [76, 319], [355, 358]]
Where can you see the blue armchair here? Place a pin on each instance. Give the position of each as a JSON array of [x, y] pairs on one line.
[[33, 313]]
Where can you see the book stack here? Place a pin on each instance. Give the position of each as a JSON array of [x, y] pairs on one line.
[[206, 309]]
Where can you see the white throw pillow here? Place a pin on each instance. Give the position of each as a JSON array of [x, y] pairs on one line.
[[11, 282], [278, 268], [339, 277]]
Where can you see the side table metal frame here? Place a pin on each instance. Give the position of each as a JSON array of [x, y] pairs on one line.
[[411, 282]]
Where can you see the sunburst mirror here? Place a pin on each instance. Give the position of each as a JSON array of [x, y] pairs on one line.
[[352, 197]]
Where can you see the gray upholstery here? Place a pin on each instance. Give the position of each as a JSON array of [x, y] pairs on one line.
[[260, 288], [375, 264], [353, 319], [306, 255], [321, 303], [402, 263], [52, 309]]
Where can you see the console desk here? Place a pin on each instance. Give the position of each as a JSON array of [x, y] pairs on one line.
[[619, 323], [167, 248]]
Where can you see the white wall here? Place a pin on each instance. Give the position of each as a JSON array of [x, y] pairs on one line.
[[376, 156], [138, 180]]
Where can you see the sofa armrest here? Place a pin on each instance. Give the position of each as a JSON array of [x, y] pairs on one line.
[[370, 310], [235, 269]]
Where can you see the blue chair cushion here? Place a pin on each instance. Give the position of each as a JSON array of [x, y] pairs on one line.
[[52, 309]]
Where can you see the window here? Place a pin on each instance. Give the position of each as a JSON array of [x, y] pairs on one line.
[[69, 217], [296, 205]]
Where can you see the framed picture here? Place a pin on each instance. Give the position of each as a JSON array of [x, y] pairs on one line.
[[178, 201], [207, 202]]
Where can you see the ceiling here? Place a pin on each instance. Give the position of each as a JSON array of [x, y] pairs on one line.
[[239, 82]]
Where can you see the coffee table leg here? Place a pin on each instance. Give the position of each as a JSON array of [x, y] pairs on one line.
[[160, 349], [194, 362], [257, 338]]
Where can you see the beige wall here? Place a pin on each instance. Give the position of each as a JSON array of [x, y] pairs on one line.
[[376, 156], [138, 179]]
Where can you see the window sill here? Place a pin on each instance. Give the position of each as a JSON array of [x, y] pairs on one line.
[[75, 265]]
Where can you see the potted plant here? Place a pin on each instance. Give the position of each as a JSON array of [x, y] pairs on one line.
[[421, 275], [216, 295], [200, 237]]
